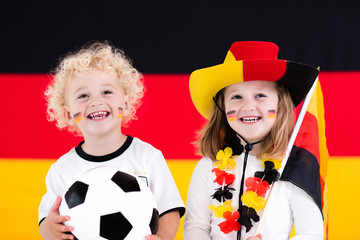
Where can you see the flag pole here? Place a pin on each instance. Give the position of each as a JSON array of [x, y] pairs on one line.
[[289, 147]]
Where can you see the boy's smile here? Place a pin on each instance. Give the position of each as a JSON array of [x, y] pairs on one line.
[[94, 100], [98, 115], [249, 106]]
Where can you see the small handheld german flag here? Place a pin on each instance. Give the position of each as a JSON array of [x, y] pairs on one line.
[[307, 152]]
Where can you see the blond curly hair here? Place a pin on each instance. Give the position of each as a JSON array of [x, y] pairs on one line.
[[93, 56]]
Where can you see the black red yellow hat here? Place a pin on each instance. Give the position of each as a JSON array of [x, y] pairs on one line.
[[250, 61]]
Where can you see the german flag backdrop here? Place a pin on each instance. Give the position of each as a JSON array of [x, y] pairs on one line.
[[167, 40]]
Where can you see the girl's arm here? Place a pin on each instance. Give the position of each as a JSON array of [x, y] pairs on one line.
[[308, 220], [198, 215]]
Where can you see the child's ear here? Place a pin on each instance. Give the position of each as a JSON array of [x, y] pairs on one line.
[[68, 115], [126, 106]]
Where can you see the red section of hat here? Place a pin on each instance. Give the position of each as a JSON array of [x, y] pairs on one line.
[[267, 70], [250, 50]]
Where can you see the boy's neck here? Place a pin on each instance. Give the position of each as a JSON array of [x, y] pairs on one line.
[[104, 145]]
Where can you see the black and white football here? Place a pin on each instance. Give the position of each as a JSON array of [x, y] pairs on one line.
[[105, 203]]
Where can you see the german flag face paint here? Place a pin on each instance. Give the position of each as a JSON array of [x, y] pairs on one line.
[[77, 117], [231, 115], [271, 113], [120, 113]]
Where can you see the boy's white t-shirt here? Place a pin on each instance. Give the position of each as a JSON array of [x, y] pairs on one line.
[[134, 157]]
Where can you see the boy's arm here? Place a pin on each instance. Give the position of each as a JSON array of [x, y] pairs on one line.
[[168, 225]]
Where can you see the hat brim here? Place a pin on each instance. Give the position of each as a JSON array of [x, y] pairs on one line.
[[207, 82]]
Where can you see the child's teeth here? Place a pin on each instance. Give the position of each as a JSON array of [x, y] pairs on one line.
[[98, 115], [252, 119]]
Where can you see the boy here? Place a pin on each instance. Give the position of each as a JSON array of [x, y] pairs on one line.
[[94, 92]]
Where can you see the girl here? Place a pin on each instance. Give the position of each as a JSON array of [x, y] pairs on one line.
[[249, 102]]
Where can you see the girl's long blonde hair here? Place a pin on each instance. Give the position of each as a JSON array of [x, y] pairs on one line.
[[211, 138]]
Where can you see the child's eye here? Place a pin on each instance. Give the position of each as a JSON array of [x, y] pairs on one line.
[[83, 96], [107, 92], [260, 95], [236, 97]]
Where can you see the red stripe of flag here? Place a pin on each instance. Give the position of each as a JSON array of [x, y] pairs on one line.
[[308, 137]]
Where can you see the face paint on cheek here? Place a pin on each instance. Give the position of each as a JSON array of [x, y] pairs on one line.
[[120, 112], [271, 114], [77, 117], [231, 116]]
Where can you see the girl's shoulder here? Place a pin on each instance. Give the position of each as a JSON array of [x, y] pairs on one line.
[[205, 161], [204, 165]]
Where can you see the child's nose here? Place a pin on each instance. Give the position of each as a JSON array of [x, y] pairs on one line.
[[249, 104], [96, 101]]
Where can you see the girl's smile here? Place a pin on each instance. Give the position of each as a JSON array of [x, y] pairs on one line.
[[250, 120], [248, 104]]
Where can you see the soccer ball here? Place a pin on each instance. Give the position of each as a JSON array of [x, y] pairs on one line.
[[105, 203]]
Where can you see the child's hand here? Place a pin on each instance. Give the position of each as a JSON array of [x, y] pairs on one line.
[[257, 237], [152, 237], [53, 225]]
